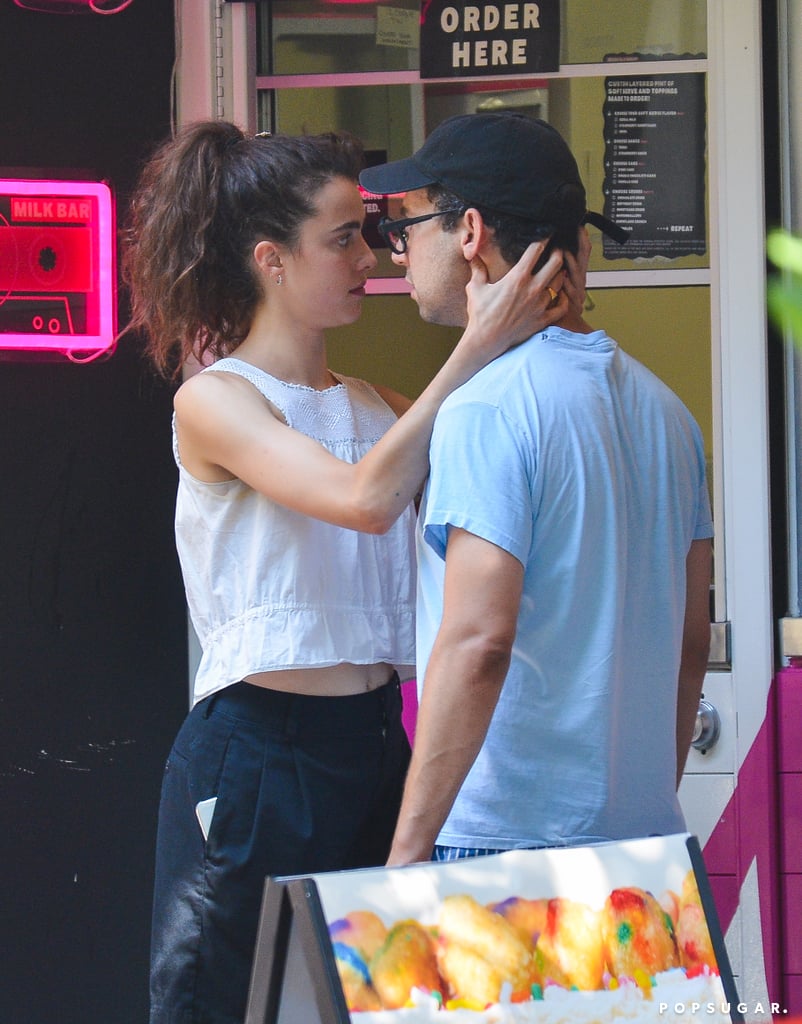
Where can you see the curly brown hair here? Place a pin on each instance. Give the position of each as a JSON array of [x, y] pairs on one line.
[[203, 201]]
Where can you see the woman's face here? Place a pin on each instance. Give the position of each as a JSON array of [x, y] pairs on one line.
[[324, 275]]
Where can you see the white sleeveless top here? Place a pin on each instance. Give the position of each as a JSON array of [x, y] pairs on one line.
[[269, 588]]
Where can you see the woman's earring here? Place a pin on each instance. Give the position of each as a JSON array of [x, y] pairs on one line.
[[279, 279]]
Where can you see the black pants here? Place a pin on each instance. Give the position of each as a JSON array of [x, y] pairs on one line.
[[302, 784]]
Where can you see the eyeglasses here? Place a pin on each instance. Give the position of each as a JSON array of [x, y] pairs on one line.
[[394, 232]]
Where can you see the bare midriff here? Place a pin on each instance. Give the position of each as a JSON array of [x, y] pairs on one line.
[[335, 681]]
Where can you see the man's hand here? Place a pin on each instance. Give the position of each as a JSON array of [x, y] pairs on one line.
[[520, 303]]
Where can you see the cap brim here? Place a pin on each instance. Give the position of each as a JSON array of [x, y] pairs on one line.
[[606, 226], [399, 176]]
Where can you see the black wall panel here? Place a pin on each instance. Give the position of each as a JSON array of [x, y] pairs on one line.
[[93, 677]]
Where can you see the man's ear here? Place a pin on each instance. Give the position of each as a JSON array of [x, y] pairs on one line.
[[475, 235]]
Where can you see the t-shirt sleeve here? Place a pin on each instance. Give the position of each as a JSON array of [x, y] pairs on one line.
[[704, 519], [704, 512], [480, 480]]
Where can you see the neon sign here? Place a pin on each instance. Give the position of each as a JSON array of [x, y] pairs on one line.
[[57, 268]]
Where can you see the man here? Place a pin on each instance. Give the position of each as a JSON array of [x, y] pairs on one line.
[[564, 535]]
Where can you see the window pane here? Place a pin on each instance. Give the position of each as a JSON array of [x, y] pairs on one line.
[[336, 36], [576, 109], [593, 32], [310, 37], [381, 116], [393, 120]]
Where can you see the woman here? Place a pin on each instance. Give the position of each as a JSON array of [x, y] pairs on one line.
[[294, 527]]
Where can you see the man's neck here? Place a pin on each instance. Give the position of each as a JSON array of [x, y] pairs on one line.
[[497, 267], [572, 321]]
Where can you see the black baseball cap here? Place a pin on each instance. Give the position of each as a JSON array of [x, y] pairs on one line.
[[505, 162]]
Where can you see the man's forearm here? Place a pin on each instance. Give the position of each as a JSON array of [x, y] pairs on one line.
[[460, 694], [695, 647], [464, 678]]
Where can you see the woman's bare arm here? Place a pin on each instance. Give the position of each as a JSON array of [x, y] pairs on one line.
[[226, 427]]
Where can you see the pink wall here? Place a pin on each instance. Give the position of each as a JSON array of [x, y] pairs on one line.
[[789, 762], [409, 692]]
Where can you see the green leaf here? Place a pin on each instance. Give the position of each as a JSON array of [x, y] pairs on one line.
[[784, 302], [785, 251]]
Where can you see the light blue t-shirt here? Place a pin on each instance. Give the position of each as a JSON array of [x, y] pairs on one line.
[[583, 465]]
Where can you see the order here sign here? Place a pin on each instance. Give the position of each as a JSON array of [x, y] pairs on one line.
[[459, 39]]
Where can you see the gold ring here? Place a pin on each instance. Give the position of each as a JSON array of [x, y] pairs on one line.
[[552, 295]]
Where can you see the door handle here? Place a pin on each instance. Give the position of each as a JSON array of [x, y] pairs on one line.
[[707, 727]]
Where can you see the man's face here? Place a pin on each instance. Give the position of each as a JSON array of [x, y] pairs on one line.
[[435, 265]]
